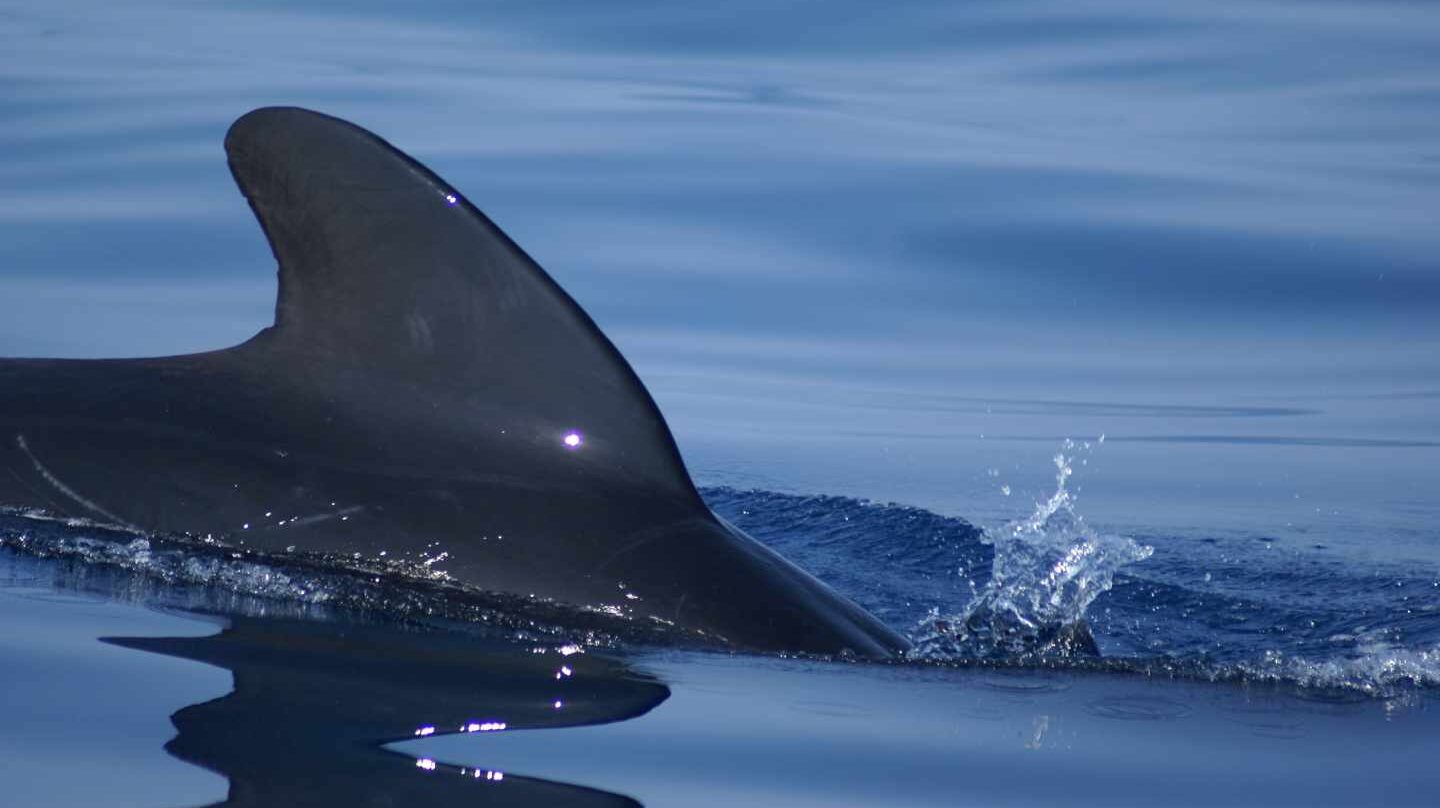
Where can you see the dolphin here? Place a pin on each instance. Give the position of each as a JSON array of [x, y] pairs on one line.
[[427, 391]]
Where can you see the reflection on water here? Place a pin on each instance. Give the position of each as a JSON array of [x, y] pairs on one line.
[[746, 731], [313, 701], [343, 711], [82, 721]]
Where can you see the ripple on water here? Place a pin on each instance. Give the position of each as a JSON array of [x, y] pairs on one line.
[[1280, 729], [1026, 684], [1274, 717], [1137, 708], [982, 712], [64, 598], [832, 709]]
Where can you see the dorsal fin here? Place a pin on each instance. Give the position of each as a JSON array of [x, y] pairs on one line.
[[386, 269]]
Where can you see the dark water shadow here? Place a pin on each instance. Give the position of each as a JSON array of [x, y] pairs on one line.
[[313, 703]]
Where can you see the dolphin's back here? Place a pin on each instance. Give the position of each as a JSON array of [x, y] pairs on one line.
[[426, 389]]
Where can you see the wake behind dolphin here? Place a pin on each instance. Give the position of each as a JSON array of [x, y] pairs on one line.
[[427, 391]]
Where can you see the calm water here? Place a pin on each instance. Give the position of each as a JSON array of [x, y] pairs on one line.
[[860, 255]]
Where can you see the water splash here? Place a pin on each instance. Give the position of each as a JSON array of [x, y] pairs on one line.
[[1376, 669], [1218, 607], [1047, 570]]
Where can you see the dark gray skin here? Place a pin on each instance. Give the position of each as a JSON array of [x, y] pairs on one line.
[[414, 396]]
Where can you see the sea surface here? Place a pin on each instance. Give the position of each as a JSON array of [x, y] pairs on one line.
[[1010, 321]]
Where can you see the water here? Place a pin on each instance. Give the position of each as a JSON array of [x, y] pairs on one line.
[[877, 266], [1045, 571], [468, 714]]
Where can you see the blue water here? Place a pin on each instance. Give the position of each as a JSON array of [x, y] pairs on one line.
[[861, 255]]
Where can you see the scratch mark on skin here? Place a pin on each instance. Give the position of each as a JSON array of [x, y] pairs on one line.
[[67, 490], [302, 521], [32, 489]]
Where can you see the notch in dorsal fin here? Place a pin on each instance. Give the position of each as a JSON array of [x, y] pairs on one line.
[[387, 270]]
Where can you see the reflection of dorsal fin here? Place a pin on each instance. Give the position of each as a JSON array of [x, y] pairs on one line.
[[385, 269]]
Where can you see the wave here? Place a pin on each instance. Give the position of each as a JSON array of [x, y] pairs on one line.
[[1047, 590]]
